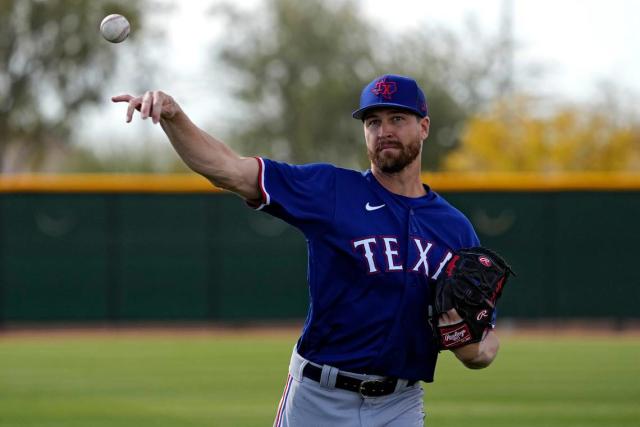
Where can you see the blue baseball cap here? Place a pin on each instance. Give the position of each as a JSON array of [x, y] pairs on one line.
[[392, 91]]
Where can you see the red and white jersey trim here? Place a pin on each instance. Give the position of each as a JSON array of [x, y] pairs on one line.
[[266, 198]]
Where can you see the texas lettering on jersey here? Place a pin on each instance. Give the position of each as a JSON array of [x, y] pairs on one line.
[[359, 235], [372, 249]]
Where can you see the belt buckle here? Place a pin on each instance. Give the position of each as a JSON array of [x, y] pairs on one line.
[[373, 388]]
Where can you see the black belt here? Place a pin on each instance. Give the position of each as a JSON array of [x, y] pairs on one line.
[[367, 388]]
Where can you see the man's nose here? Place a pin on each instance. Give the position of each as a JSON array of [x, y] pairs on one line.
[[384, 129]]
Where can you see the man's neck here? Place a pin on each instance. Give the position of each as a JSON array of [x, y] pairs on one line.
[[406, 183]]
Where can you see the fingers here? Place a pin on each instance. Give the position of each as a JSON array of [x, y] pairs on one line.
[[453, 315], [121, 98], [444, 320], [134, 103], [145, 108], [449, 318], [150, 105], [156, 108]]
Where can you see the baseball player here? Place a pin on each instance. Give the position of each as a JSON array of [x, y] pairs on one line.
[[377, 241]]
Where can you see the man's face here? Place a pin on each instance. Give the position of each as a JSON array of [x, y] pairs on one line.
[[394, 138]]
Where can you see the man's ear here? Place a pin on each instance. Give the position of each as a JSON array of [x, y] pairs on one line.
[[424, 125]]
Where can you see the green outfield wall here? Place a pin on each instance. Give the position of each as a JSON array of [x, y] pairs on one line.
[[181, 252]]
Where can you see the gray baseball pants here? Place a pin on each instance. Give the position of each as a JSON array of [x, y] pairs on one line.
[[307, 403]]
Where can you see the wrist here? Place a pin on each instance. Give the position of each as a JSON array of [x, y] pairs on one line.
[[480, 354], [176, 115]]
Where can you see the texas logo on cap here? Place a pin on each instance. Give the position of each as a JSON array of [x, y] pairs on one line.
[[392, 91], [385, 89]]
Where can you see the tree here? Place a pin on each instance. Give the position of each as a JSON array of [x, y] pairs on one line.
[[459, 78], [299, 68], [513, 138], [53, 63]]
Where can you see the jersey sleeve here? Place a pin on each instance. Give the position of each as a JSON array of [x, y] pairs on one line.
[[466, 234], [471, 238], [302, 195]]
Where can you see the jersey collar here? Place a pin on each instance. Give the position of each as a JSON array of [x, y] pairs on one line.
[[409, 202]]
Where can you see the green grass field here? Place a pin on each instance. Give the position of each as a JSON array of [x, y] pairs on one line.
[[225, 380]]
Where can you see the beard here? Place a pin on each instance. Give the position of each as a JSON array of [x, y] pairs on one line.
[[393, 161]]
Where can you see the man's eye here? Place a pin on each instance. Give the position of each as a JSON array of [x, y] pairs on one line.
[[397, 118], [373, 123]]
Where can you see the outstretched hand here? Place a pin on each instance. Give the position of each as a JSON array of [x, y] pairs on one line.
[[155, 104]]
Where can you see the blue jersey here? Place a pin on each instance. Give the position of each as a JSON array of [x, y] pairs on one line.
[[373, 260]]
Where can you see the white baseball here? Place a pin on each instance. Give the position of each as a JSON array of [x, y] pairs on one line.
[[115, 28]]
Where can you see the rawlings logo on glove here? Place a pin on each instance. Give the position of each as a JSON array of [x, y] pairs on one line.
[[471, 284], [458, 335]]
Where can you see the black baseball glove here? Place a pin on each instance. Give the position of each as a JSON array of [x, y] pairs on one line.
[[471, 283]]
